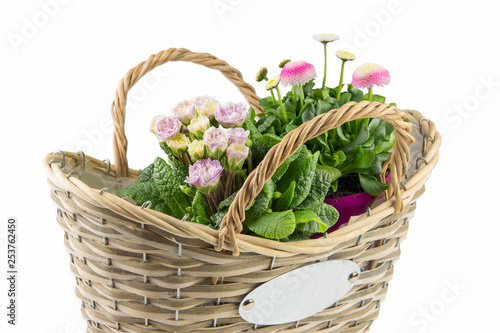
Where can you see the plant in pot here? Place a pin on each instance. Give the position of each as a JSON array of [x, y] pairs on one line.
[[356, 153], [210, 154]]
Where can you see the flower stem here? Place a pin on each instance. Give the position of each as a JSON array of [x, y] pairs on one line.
[[249, 161], [229, 185], [272, 95], [370, 94], [341, 79], [211, 203], [281, 105], [301, 91], [324, 74]]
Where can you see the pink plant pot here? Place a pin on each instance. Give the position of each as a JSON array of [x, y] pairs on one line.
[[351, 205]]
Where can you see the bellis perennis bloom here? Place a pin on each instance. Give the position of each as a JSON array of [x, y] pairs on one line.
[[231, 115], [165, 127], [297, 73], [204, 175], [184, 111], [344, 55], [216, 139], [273, 83], [326, 38], [368, 75]]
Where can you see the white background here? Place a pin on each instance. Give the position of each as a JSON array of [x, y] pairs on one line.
[[58, 80]]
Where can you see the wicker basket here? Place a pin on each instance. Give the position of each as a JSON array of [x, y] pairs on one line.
[[138, 270]]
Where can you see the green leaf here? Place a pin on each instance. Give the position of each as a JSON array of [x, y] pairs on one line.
[[283, 203], [146, 175], [359, 140], [180, 171], [341, 136], [326, 213], [289, 127], [385, 145], [344, 98], [275, 225], [357, 95], [249, 124], [371, 185], [323, 177], [262, 202], [200, 206], [265, 122], [305, 216], [376, 166], [280, 171], [308, 113], [224, 205], [270, 139], [358, 158], [308, 87], [217, 218], [259, 150], [168, 187], [203, 220], [321, 94], [378, 98], [143, 192], [303, 175], [323, 107]]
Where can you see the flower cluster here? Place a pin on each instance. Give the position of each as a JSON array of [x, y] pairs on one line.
[[208, 137]]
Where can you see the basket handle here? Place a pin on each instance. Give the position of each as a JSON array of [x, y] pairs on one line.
[[232, 222], [155, 60]]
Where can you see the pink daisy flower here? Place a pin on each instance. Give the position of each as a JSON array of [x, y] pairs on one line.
[[296, 73], [369, 75]]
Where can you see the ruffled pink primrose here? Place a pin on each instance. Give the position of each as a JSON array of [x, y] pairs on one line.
[[369, 75], [184, 111], [231, 115], [216, 138], [200, 100], [237, 151], [298, 72], [165, 127], [204, 174], [238, 135]]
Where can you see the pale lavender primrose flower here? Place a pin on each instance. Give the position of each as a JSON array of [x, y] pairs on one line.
[[231, 115], [216, 139], [236, 155], [184, 111], [165, 127], [204, 175], [238, 135]]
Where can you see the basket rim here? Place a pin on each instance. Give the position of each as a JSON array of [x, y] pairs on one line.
[[356, 227]]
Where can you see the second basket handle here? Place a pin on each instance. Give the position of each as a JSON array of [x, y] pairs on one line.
[[232, 222], [155, 60]]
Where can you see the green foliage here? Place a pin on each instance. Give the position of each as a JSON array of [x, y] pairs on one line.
[[357, 147], [275, 225], [146, 175], [167, 181], [146, 191]]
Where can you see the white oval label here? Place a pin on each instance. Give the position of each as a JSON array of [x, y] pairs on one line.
[[300, 293]]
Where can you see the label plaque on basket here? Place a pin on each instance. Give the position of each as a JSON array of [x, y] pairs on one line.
[[300, 293]]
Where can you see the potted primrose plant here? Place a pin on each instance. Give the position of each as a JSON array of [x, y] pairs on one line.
[[354, 153]]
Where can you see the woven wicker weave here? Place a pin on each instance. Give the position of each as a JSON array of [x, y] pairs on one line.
[[139, 270]]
